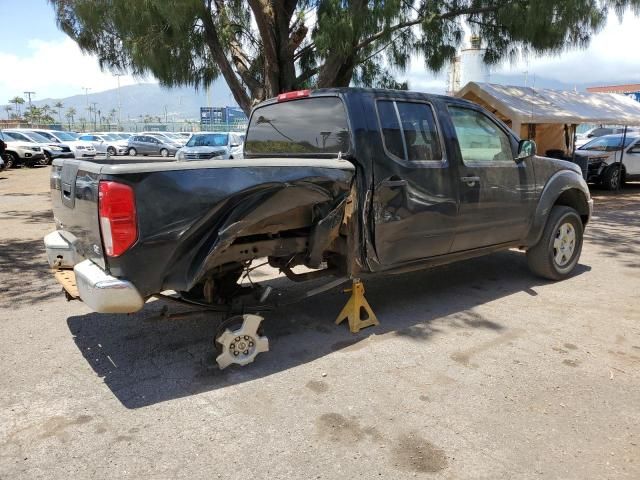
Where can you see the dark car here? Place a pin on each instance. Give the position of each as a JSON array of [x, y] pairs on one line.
[[148, 145], [349, 183]]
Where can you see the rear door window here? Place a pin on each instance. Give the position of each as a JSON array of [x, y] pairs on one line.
[[310, 126], [409, 131]]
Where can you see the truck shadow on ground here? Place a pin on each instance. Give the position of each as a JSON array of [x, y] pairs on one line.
[[145, 358]]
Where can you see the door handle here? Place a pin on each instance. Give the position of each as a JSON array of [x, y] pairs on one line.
[[393, 183], [470, 181]]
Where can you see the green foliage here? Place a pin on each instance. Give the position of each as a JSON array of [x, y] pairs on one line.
[[263, 47]]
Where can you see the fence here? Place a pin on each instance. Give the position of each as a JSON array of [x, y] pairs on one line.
[[185, 126]]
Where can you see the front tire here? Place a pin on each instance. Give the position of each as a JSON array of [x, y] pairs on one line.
[[133, 152], [111, 151], [611, 178], [557, 253], [164, 152], [11, 160]]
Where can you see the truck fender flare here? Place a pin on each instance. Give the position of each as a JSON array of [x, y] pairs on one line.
[[565, 187]]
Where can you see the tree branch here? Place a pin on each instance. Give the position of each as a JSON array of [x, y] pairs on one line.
[[218, 54], [418, 20]]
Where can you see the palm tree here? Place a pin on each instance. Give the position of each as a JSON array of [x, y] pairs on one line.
[[112, 115], [17, 101], [45, 109], [59, 106], [8, 109], [70, 114], [83, 121]]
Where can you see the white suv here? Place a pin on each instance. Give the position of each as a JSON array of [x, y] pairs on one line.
[[79, 148], [21, 153]]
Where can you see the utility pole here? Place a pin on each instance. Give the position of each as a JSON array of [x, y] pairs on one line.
[[118, 75], [86, 95], [28, 94], [95, 120]]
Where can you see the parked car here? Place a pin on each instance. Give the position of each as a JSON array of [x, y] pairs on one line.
[[148, 145], [105, 143], [603, 159], [2, 164], [586, 137], [80, 148], [347, 182], [167, 137], [208, 145], [52, 150], [20, 152]]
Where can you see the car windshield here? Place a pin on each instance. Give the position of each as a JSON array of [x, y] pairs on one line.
[[208, 140], [108, 136], [18, 136], [64, 136], [608, 143], [36, 137]]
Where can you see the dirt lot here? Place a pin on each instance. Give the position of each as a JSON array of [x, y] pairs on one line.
[[478, 370]]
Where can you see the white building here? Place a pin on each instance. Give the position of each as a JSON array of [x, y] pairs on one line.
[[468, 67]]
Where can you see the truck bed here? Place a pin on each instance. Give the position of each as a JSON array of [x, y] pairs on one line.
[[190, 212]]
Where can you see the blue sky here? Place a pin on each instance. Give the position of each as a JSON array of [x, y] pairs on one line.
[[43, 59]]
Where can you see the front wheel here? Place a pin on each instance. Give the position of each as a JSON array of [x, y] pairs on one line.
[[611, 178], [557, 253], [11, 160], [133, 152], [164, 152], [111, 151]]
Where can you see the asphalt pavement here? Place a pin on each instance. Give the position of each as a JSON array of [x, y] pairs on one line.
[[478, 370]]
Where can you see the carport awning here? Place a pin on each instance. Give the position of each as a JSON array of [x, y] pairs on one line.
[[543, 105]]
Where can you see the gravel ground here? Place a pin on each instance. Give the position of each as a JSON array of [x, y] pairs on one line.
[[477, 370]]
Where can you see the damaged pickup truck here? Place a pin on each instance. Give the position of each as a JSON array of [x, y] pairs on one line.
[[347, 182]]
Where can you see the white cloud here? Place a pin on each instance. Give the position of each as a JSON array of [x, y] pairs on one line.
[[612, 57], [54, 69]]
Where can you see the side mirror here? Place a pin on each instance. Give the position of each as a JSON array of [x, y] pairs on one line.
[[234, 145], [526, 149]]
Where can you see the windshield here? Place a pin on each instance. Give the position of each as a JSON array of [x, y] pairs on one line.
[[64, 136], [309, 126], [18, 136], [110, 137], [208, 140], [36, 137], [609, 143]]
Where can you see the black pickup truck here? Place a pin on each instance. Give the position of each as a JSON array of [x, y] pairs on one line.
[[348, 182]]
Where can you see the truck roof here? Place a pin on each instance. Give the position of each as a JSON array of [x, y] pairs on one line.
[[378, 92]]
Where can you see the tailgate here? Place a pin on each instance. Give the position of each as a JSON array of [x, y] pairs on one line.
[[74, 198]]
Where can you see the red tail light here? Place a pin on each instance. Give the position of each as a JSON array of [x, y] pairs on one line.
[[118, 221], [283, 97]]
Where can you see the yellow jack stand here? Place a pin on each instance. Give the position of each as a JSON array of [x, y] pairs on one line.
[[357, 310]]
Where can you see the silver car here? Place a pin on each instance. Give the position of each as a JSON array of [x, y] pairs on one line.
[[148, 145]]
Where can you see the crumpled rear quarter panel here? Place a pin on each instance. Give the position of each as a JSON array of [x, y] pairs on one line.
[[186, 216]]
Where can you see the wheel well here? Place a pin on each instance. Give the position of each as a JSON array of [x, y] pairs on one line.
[[575, 199]]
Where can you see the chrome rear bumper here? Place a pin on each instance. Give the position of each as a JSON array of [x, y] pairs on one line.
[[104, 293], [99, 290]]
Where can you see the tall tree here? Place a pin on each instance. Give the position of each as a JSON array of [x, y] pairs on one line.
[[17, 101], [59, 106], [71, 112], [264, 47], [8, 109]]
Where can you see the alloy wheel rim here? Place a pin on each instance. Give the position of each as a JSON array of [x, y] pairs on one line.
[[564, 244]]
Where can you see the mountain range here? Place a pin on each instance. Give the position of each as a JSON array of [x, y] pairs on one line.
[[185, 102], [148, 99]]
